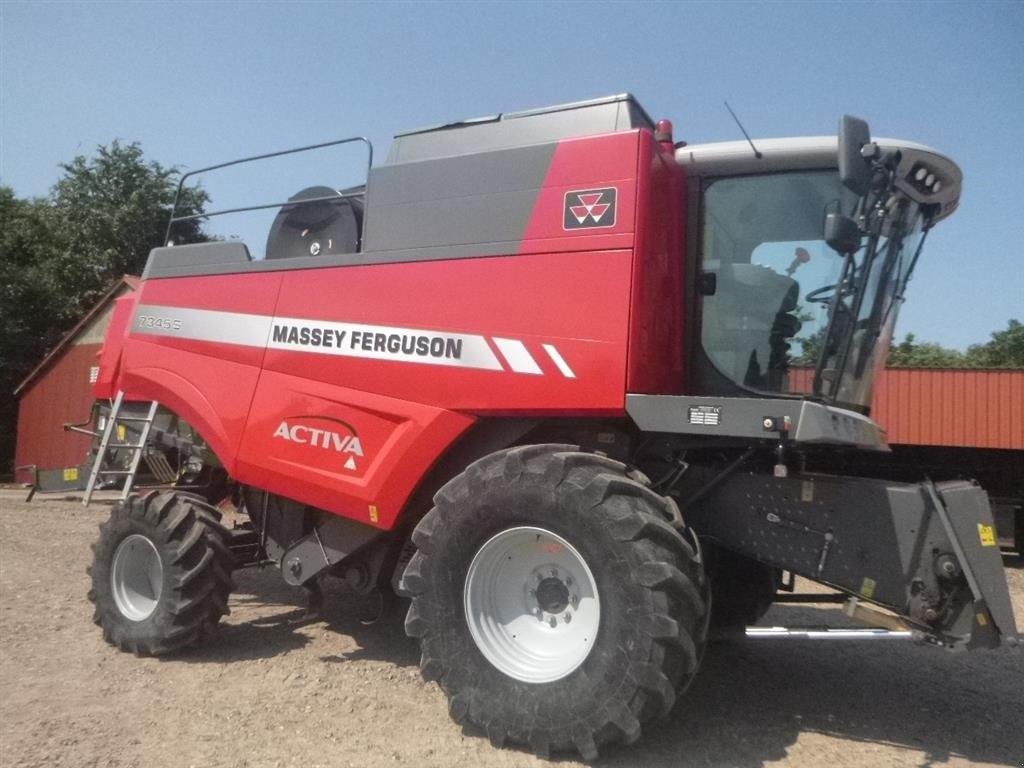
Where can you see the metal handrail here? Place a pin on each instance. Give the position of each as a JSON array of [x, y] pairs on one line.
[[181, 182]]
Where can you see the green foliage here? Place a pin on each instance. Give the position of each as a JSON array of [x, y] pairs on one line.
[[26, 310], [59, 254], [1005, 350], [910, 353], [113, 209]]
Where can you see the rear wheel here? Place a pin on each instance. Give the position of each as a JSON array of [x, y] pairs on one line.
[[161, 573], [554, 601]]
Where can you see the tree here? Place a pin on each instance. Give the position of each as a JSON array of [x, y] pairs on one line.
[[910, 353], [59, 254], [1005, 350], [112, 209], [26, 301]]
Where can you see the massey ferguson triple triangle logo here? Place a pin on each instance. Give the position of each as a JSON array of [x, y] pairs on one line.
[[588, 208]]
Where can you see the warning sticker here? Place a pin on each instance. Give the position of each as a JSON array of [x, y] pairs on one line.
[[807, 491], [708, 415], [867, 587], [70, 475], [987, 534]]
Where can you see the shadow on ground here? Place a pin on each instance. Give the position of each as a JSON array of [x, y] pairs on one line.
[[752, 699], [282, 616]]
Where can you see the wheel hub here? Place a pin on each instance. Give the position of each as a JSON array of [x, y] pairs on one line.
[[136, 577], [552, 595], [531, 604]]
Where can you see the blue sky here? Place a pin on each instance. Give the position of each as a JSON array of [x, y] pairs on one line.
[[198, 83]]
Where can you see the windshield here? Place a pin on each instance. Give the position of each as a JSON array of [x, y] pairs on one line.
[[767, 317], [864, 308]]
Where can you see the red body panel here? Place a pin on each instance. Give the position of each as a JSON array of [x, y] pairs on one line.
[[399, 442], [565, 327], [105, 386], [656, 325], [578, 301]]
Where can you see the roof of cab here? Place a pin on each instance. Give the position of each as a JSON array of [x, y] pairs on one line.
[[736, 158]]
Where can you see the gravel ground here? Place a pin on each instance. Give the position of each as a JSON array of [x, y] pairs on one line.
[[271, 693]]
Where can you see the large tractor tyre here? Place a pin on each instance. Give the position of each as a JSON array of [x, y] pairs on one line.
[[553, 600], [742, 589], [161, 573]]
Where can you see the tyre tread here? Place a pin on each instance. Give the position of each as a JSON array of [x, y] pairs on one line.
[[197, 564], [621, 501]]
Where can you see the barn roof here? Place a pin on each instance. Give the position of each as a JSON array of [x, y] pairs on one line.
[[130, 281]]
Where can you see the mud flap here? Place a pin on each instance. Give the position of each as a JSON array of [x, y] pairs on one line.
[[926, 552]]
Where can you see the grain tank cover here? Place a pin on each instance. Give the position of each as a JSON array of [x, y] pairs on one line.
[[517, 129]]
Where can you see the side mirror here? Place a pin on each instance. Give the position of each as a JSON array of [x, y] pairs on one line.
[[854, 169], [842, 233]]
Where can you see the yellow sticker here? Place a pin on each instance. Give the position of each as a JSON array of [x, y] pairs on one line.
[[807, 491], [374, 516], [70, 475], [121, 432], [867, 587], [982, 621], [987, 534]]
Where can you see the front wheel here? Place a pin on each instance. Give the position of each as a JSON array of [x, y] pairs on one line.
[[554, 602], [161, 573]]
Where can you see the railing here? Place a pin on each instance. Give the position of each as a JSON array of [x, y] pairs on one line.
[[208, 214]]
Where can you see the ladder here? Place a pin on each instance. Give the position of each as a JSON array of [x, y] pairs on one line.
[[113, 421]]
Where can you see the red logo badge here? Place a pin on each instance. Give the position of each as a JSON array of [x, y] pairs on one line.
[[589, 208]]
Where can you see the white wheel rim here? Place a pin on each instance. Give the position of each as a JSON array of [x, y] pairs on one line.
[[532, 604], [136, 577]]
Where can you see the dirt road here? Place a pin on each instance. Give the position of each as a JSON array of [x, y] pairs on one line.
[[269, 693]]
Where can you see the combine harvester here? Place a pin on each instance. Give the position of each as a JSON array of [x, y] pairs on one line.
[[534, 375]]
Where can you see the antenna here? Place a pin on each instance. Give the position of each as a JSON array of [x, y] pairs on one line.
[[745, 134]]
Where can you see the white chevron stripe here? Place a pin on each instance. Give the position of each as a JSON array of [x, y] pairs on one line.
[[518, 356], [558, 360]]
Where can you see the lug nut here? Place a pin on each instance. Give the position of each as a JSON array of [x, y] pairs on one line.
[[567, 617], [553, 621]]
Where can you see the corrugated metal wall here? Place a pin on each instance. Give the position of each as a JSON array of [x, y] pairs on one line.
[[977, 409], [944, 406], [62, 394]]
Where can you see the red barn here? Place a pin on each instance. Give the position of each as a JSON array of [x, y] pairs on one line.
[[59, 391]]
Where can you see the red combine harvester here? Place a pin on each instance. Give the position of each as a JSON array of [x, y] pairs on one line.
[[534, 375]]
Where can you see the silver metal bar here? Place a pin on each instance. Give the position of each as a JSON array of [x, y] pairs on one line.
[[827, 634], [101, 452], [137, 455], [265, 206]]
